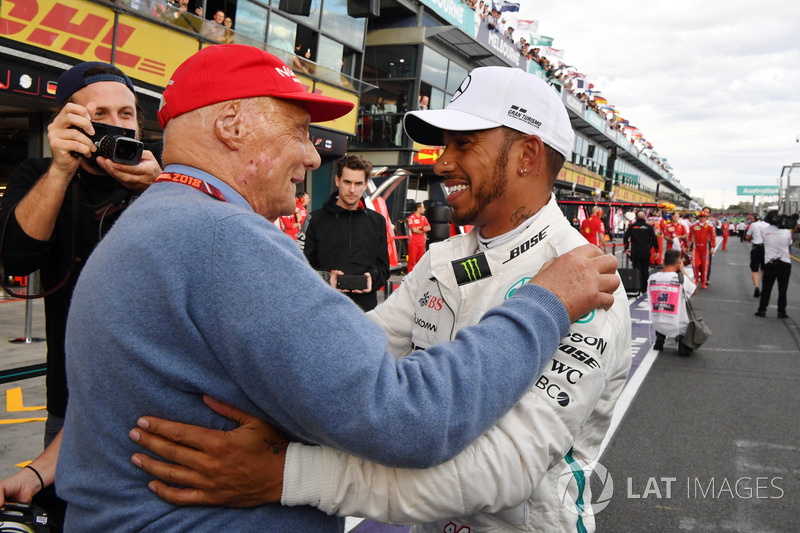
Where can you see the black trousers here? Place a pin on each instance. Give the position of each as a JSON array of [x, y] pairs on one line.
[[643, 265], [772, 271]]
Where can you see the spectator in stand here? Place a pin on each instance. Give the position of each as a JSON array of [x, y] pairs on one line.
[[419, 226], [594, 230], [214, 30], [379, 126], [423, 102], [298, 63], [181, 17], [777, 263], [509, 34], [639, 239], [344, 237], [229, 36]]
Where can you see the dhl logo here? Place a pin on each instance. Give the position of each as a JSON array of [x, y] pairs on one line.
[[86, 31]]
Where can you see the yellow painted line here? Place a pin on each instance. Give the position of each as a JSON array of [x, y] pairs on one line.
[[23, 464], [14, 402], [22, 420]]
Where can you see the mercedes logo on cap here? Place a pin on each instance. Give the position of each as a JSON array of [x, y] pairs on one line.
[[462, 88]]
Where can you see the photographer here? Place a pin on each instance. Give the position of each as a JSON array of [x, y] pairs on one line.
[[55, 209], [777, 261]]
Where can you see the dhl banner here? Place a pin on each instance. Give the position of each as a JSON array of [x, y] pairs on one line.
[[144, 50], [85, 31]]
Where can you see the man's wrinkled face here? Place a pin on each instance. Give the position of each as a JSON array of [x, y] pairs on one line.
[[279, 151]]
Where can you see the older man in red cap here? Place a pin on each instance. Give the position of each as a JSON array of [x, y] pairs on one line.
[[195, 291]]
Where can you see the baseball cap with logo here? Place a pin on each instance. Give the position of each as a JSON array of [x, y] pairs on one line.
[[490, 97], [229, 71], [76, 79]]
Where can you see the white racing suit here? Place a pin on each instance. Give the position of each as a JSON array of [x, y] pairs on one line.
[[508, 479]]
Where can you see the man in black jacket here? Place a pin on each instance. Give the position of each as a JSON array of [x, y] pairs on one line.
[[343, 237], [641, 237], [55, 209]]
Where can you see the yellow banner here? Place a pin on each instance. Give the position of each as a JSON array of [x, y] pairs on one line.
[[85, 31], [580, 176]]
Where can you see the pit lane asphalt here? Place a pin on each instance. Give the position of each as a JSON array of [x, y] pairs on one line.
[[708, 442]]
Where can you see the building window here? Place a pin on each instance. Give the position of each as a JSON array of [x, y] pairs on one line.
[[434, 68], [339, 25], [251, 20], [281, 33]]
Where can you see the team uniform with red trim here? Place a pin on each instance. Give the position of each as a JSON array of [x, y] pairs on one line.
[[702, 235], [416, 244], [591, 227], [509, 478]]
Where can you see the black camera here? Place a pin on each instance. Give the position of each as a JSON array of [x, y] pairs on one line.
[[23, 518], [115, 143], [782, 221]]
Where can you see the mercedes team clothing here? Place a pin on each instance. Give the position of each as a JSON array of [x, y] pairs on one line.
[[189, 295], [506, 480]]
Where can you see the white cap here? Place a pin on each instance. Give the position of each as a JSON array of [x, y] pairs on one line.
[[490, 97]]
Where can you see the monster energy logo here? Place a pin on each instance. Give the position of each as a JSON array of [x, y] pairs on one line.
[[471, 269]]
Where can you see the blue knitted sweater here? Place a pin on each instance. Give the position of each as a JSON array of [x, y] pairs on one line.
[[190, 295]]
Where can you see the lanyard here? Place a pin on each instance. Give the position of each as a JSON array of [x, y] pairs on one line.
[[193, 182]]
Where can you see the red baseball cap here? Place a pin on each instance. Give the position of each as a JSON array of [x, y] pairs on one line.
[[229, 71]]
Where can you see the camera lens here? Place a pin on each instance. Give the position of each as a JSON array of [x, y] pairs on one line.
[[120, 149]]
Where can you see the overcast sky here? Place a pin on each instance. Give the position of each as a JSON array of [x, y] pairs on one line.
[[714, 84]]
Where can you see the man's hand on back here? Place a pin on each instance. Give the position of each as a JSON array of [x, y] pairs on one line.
[[238, 468], [583, 279]]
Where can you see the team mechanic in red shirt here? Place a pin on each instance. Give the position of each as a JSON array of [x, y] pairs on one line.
[[594, 230], [726, 231], [674, 230], [418, 225], [703, 239]]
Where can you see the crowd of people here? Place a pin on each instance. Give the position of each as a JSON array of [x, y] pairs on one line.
[[189, 15]]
